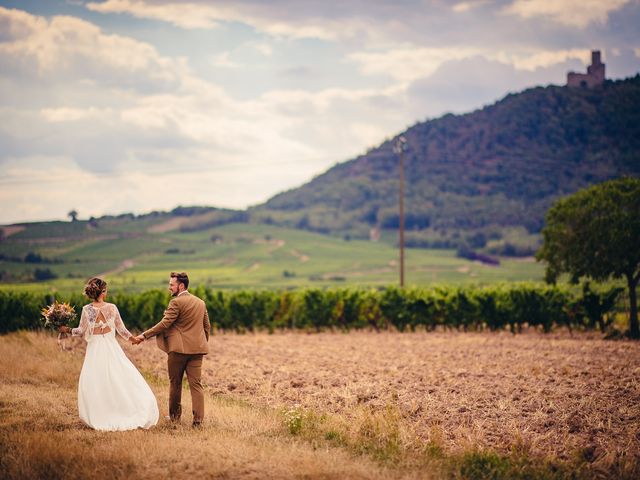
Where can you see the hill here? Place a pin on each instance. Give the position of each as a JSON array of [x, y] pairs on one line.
[[474, 178], [483, 180]]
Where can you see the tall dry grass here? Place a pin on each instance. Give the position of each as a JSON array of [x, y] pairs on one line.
[[42, 437], [360, 405]]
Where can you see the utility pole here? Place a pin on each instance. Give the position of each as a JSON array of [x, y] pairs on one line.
[[399, 148]]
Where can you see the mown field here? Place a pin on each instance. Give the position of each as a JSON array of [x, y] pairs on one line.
[[334, 405], [137, 255]]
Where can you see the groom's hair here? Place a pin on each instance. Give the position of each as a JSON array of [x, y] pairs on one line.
[[182, 278]]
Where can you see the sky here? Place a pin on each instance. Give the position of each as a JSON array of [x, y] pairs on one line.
[[118, 106]]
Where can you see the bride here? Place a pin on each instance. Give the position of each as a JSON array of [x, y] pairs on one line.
[[112, 394]]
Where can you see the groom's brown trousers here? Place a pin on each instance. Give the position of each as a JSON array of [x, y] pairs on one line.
[[178, 364]]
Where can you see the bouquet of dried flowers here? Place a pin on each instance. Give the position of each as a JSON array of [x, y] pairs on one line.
[[56, 315]]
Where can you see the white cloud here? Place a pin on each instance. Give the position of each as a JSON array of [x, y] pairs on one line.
[[71, 47], [409, 62], [262, 16], [463, 7], [541, 59], [454, 89], [264, 48], [78, 101], [62, 186], [182, 14], [223, 60], [66, 114], [84, 129], [574, 13]]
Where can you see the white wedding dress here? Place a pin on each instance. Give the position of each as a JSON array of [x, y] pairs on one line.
[[112, 394]]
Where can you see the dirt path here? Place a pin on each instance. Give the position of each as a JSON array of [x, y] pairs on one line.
[[11, 230], [300, 256], [168, 226], [124, 265]]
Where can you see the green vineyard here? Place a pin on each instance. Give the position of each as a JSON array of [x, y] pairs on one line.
[[494, 307]]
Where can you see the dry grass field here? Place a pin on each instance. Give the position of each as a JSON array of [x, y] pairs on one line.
[[335, 405]]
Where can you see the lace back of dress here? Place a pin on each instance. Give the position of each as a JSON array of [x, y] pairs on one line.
[[103, 324]]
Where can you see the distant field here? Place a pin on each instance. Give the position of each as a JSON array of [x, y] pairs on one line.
[[235, 256]]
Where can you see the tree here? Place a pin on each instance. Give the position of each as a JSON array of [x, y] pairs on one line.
[[595, 233], [73, 214], [42, 274]]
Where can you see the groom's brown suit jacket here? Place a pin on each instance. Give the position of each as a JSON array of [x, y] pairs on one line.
[[184, 328]]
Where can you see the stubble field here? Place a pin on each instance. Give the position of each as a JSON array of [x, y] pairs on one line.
[[336, 405], [557, 398]]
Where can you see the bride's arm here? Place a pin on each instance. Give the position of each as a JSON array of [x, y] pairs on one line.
[[84, 324], [120, 328]]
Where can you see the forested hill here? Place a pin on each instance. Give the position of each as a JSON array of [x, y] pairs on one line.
[[501, 166]]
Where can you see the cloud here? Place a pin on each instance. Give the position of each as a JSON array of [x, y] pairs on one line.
[[38, 193], [69, 47], [463, 7], [541, 59], [66, 114], [104, 127], [477, 81], [262, 47], [182, 14], [411, 63], [573, 13], [265, 17], [236, 114], [223, 60]]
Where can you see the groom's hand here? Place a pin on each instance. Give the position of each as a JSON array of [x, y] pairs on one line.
[[137, 340]]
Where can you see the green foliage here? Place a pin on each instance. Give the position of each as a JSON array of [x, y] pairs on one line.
[[595, 233], [596, 306], [489, 465], [42, 274], [472, 308]]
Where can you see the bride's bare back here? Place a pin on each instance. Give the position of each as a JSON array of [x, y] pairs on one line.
[[101, 326]]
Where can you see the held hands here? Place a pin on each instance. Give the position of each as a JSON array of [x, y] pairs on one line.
[[136, 340]]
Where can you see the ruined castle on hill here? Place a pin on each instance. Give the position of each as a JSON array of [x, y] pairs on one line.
[[594, 76]]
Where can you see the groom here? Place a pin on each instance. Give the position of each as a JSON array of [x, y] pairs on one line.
[[183, 333]]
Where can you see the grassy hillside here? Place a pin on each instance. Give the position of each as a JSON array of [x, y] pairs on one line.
[[138, 253], [469, 177]]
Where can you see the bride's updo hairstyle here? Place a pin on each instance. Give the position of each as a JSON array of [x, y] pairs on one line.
[[94, 288]]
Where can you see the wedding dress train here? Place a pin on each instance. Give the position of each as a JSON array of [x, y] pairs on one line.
[[112, 394]]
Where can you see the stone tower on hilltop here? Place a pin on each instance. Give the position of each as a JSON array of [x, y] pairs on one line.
[[594, 76]]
